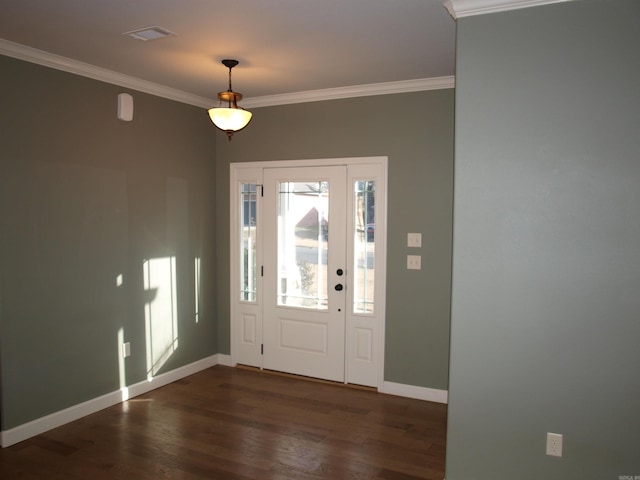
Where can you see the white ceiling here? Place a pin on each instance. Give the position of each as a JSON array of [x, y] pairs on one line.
[[283, 46]]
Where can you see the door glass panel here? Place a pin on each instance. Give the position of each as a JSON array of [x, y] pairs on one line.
[[303, 233], [364, 246], [248, 276]]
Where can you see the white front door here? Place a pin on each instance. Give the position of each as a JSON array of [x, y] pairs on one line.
[[304, 265], [308, 267]]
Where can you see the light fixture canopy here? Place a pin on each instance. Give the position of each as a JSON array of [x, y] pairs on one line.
[[230, 118]]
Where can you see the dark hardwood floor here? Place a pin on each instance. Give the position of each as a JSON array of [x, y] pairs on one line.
[[230, 423]]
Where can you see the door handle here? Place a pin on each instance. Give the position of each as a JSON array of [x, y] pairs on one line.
[[339, 287]]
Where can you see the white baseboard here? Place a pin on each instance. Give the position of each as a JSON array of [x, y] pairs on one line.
[[56, 419], [225, 360], [411, 391]]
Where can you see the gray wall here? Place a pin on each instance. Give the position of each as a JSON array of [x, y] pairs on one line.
[[84, 198], [415, 130], [546, 283]]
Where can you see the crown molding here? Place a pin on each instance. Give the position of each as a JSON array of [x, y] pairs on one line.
[[467, 8], [40, 57], [371, 89]]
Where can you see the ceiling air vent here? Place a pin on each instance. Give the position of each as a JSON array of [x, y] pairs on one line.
[[150, 33]]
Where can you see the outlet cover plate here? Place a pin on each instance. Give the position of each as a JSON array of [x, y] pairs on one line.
[[554, 444]]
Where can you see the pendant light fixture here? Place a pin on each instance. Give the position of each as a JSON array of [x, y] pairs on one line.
[[230, 118]]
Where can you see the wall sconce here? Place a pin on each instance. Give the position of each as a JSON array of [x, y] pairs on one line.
[[230, 118]]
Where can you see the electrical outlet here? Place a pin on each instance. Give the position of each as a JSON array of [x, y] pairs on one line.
[[554, 444]]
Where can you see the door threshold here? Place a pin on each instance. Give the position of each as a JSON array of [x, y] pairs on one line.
[[308, 379]]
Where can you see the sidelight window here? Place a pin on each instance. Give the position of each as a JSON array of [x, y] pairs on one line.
[[364, 245], [248, 236]]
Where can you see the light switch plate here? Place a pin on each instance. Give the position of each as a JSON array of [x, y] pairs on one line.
[[413, 262], [414, 240]]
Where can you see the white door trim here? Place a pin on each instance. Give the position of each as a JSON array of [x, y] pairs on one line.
[[250, 172]]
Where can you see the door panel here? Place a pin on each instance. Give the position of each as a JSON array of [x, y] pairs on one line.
[[366, 253], [305, 238], [246, 263], [303, 336]]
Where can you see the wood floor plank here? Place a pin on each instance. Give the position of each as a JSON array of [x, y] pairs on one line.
[[236, 424]]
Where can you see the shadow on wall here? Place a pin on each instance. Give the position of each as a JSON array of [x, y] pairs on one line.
[[99, 264]]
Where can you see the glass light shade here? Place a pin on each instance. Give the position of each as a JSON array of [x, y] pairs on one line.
[[230, 119]]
